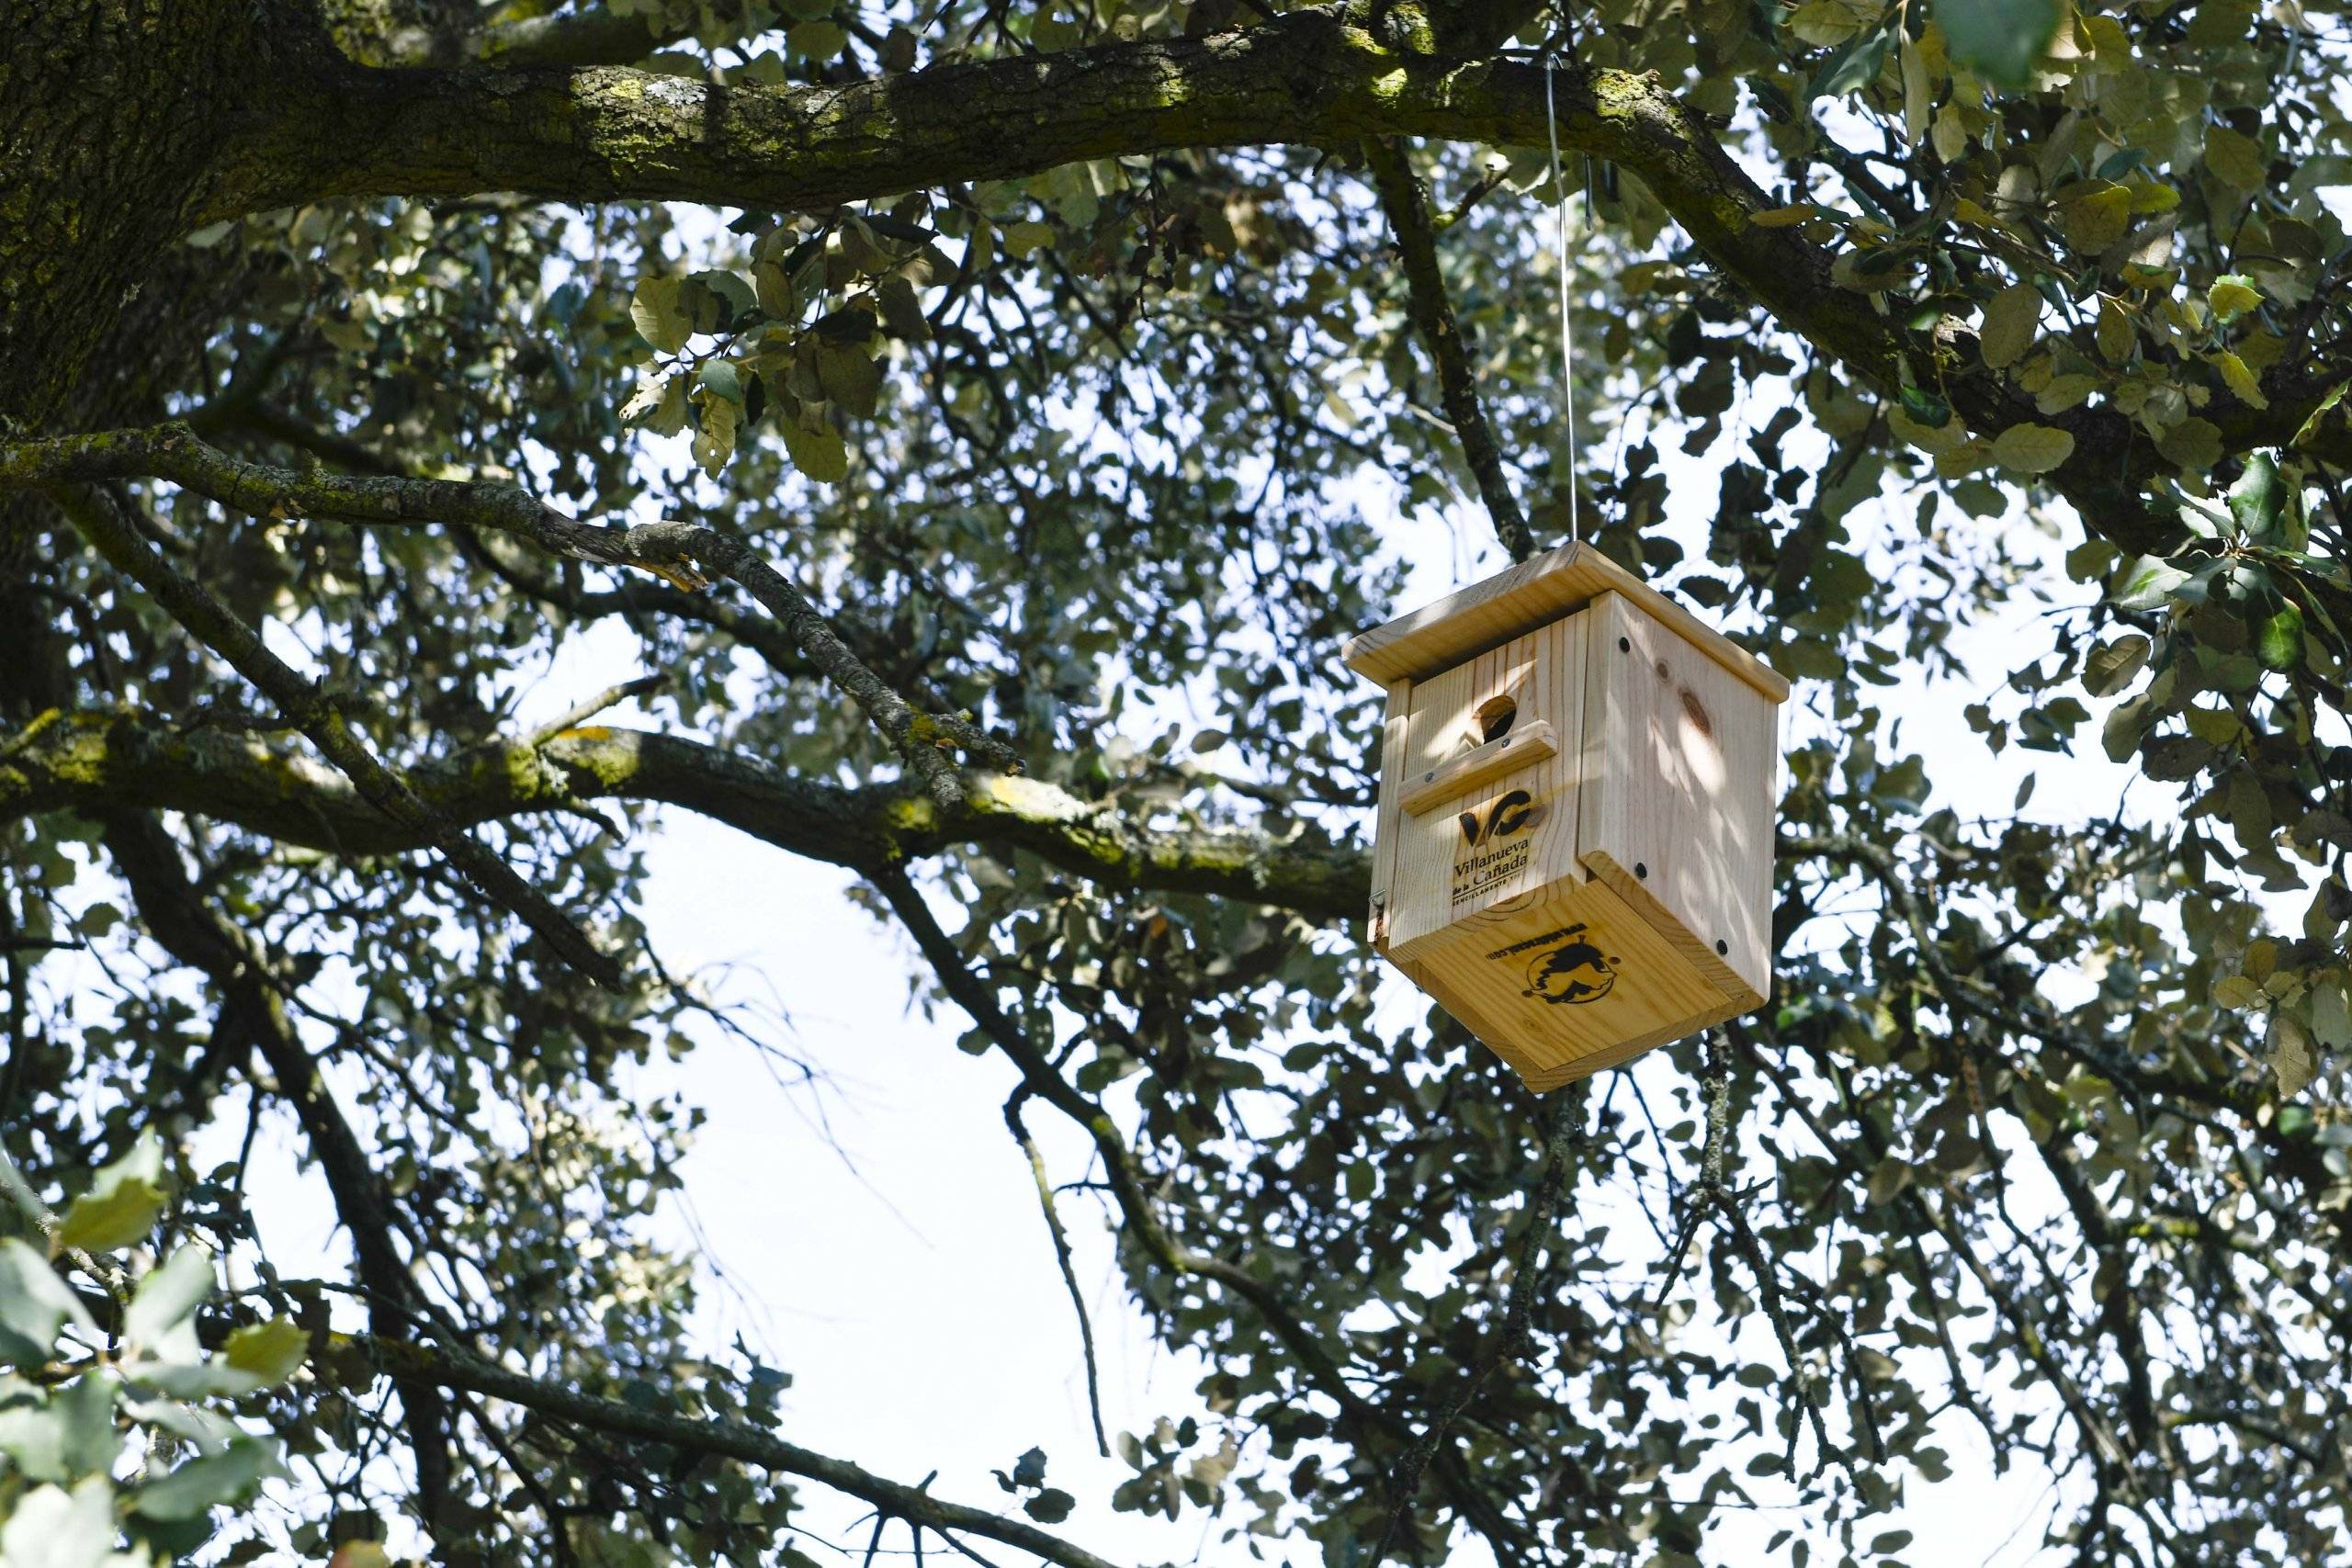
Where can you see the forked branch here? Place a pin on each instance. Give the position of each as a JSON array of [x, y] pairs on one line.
[[685, 555], [102, 519]]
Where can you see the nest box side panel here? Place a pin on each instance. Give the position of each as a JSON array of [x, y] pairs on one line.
[[1509, 829], [1566, 982], [1681, 761], [1384, 833]]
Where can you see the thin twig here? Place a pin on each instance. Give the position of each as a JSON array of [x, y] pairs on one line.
[[582, 712], [1062, 1255]]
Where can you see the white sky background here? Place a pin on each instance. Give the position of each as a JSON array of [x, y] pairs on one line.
[[907, 1281]]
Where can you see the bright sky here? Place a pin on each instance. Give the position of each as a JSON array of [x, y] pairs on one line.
[[905, 1277], [906, 1281]]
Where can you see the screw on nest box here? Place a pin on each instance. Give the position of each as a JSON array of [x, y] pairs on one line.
[[1558, 825]]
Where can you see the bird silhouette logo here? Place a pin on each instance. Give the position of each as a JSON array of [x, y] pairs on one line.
[[1574, 972]]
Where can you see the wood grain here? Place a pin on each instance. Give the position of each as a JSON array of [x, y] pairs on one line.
[[1604, 885], [1508, 974], [1530, 742], [1680, 764], [1511, 603], [1384, 820], [1516, 833]]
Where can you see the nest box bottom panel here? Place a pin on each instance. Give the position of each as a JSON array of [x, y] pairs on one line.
[[1571, 979]]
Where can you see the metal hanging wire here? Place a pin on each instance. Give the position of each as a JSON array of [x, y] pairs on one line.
[[1568, 335]]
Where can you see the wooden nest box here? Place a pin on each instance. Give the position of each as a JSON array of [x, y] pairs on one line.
[[1578, 787]]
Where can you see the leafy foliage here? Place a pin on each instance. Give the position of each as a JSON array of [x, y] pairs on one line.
[[2044, 1142]]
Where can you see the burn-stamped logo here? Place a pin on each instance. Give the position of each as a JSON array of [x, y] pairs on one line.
[[1565, 965], [1495, 845]]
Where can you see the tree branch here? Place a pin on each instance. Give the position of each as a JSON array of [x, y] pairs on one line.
[[101, 519], [680, 553], [189, 928], [1552, 1182], [349, 1359], [1432, 313], [94, 761], [1305, 77], [726, 1439], [1130, 1191]]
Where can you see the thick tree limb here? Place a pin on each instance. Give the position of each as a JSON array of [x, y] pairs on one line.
[[1304, 77], [679, 552], [96, 761], [1432, 313], [102, 521]]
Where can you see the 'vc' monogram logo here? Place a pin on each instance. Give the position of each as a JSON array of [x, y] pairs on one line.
[[1508, 815]]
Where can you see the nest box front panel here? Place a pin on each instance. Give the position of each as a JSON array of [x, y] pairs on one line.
[[1485, 787]]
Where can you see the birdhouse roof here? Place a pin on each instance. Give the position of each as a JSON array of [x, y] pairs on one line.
[[1535, 592]]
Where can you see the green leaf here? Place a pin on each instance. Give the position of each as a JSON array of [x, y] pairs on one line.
[[1999, 39], [2111, 666], [230, 1476], [2012, 318], [819, 454], [817, 41], [2331, 1011], [2194, 444], [2031, 449], [902, 310], [52, 1527], [2145, 582], [849, 377], [1029, 1470], [123, 1203], [715, 432], [772, 290], [1020, 239], [2233, 296], [34, 1305], [722, 379], [271, 1351], [1050, 1506], [33, 1439], [2291, 1055], [1924, 408], [84, 1412], [731, 289], [2320, 410], [659, 313], [2258, 499], [1854, 64], [2280, 643], [167, 1296]]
